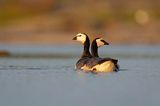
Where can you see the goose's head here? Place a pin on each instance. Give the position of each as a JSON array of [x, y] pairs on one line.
[[81, 37], [101, 42]]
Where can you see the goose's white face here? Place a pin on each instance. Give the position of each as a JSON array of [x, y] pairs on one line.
[[81, 37], [101, 42]]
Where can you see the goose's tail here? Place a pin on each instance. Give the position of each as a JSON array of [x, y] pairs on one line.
[[116, 68], [115, 61]]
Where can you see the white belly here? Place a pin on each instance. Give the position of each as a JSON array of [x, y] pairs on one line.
[[107, 66]]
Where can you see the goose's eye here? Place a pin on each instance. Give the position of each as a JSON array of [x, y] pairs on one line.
[[79, 35]]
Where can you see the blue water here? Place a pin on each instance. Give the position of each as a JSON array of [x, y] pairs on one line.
[[37, 80]]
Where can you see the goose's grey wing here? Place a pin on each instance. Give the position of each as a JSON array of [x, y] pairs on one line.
[[97, 60], [93, 61], [81, 62], [115, 61]]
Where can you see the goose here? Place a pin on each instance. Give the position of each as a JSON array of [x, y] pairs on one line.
[[86, 55], [97, 42], [97, 64]]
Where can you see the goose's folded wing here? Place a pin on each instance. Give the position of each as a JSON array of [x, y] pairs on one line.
[[107, 59], [93, 61], [81, 62]]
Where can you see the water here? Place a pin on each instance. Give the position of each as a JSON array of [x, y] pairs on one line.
[[41, 80]]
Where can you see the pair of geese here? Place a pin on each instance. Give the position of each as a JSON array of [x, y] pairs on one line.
[[94, 63]]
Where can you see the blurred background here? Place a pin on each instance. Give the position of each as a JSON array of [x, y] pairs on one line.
[[57, 21]]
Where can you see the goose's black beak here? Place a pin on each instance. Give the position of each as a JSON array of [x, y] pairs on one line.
[[75, 38], [105, 43]]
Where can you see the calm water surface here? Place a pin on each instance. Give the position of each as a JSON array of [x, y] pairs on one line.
[[38, 80]]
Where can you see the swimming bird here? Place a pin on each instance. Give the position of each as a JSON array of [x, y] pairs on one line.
[[86, 55], [97, 64]]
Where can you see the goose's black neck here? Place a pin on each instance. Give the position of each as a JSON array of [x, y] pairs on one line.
[[86, 52], [94, 49]]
